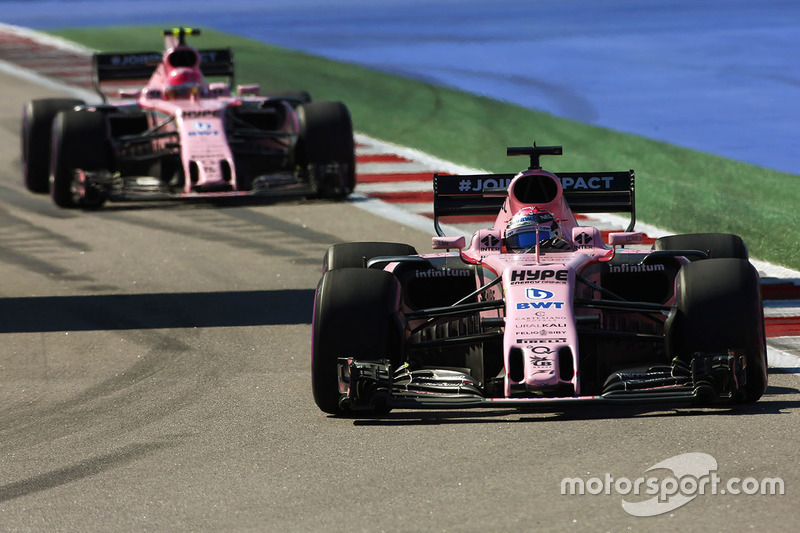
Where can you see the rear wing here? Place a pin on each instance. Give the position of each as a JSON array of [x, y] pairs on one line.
[[126, 67], [585, 192]]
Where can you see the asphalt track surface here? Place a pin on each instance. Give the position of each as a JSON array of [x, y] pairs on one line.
[[718, 76], [154, 375]]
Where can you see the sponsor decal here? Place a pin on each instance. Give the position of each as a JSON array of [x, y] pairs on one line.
[[546, 275], [487, 296], [542, 332], [540, 361], [447, 272], [537, 316], [538, 294], [540, 305], [633, 238], [593, 183], [541, 325], [135, 60], [202, 113], [489, 242], [203, 128], [540, 341], [627, 269], [203, 133], [490, 183], [540, 349], [542, 365], [584, 240]]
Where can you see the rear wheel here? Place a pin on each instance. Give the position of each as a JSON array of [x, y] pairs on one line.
[[356, 254], [356, 314], [717, 245], [327, 148], [719, 308], [80, 141], [37, 128]]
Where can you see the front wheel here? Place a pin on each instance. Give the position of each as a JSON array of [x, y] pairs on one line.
[[80, 141], [356, 315], [720, 309], [37, 128]]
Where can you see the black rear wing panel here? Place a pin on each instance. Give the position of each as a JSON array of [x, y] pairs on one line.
[[137, 66], [585, 192]]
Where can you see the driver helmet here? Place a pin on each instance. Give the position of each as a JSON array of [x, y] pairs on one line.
[[521, 231], [183, 82]]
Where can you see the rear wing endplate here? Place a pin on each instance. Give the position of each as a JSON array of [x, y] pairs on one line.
[[137, 66], [585, 192]]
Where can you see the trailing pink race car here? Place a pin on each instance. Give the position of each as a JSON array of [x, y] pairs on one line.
[[537, 310], [183, 136]]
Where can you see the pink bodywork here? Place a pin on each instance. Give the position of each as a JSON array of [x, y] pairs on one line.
[[199, 121], [539, 289]]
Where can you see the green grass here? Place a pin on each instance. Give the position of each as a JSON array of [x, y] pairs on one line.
[[678, 189]]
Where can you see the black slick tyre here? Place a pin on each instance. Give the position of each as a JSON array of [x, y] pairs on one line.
[[326, 136], [37, 128], [356, 254], [717, 245], [720, 308], [356, 315], [80, 141]]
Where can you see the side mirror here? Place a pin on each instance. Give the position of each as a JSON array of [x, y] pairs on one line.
[[621, 238], [130, 93], [248, 90], [448, 243], [219, 88]]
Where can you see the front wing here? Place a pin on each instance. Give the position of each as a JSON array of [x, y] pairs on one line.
[[375, 386]]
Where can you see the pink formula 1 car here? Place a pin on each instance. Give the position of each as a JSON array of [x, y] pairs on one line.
[[182, 136], [537, 310]]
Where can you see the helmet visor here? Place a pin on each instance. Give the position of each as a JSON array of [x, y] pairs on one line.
[[525, 239]]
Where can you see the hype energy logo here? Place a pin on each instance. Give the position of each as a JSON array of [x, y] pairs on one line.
[[674, 482]]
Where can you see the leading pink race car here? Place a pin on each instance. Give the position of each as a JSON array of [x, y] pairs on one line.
[[537, 310], [183, 135]]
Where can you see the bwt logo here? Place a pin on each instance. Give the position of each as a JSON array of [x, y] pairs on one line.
[[538, 294], [540, 305]]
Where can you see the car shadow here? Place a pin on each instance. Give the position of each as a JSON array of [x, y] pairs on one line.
[[155, 311], [221, 202]]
